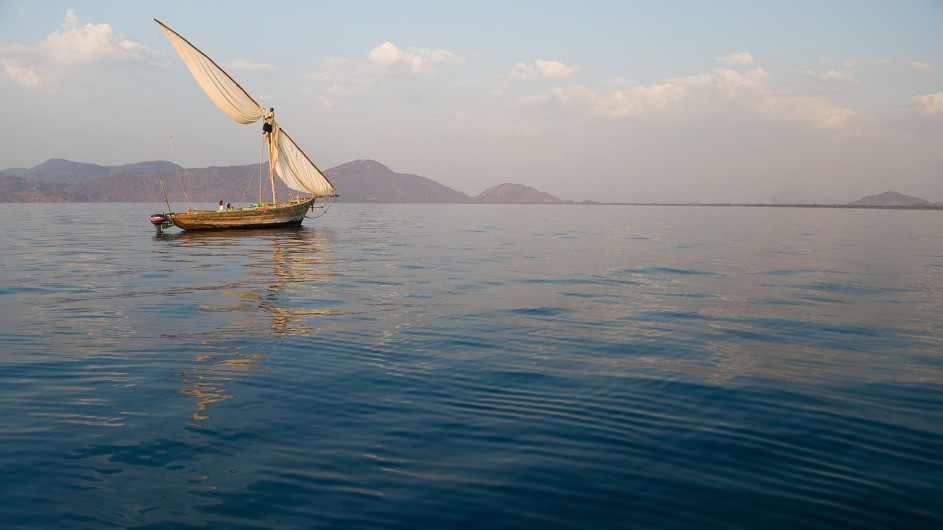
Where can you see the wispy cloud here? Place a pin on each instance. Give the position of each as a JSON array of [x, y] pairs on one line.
[[729, 82], [928, 103], [414, 60], [248, 66], [921, 67], [339, 78], [738, 59], [747, 89], [805, 109], [542, 69], [832, 77], [619, 103], [71, 48]]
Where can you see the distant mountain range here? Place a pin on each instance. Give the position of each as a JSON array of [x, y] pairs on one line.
[[59, 180], [889, 198]]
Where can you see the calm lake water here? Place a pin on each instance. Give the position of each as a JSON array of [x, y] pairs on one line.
[[473, 366]]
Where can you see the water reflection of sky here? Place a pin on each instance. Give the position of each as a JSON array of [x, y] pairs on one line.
[[510, 351]]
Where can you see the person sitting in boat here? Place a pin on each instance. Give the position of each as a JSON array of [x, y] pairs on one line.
[[269, 121], [221, 206], [229, 206]]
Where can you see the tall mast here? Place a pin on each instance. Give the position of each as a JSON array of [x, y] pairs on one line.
[[273, 148], [272, 138]]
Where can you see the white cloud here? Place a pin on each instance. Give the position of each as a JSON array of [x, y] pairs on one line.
[[73, 47], [88, 43], [805, 109], [923, 68], [832, 77], [386, 54], [746, 89], [836, 75], [415, 60], [340, 78], [542, 69], [18, 67], [636, 99], [928, 103], [732, 83], [828, 75], [742, 58], [620, 103]]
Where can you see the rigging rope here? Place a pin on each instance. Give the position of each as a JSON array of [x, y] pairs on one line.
[[326, 206], [170, 133], [261, 152], [249, 183]]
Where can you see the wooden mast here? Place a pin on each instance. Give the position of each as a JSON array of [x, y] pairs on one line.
[[272, 154]]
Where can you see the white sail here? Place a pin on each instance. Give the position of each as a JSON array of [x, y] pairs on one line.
[[221, 89], [295, 169]]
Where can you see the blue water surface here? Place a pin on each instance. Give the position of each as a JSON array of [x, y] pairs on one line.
[[473, 366]]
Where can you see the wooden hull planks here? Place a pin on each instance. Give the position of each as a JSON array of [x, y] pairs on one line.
[[281, 215]]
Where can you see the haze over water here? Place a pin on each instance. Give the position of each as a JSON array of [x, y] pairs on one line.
[[442, 366]]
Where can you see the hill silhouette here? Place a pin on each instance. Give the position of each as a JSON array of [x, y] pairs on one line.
[[59, 180], [515, 194], [889, 198], [371, 181]]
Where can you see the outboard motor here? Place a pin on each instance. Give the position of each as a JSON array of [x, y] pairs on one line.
[[161, 221]]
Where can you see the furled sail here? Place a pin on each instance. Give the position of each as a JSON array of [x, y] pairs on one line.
[[221, 89], [295, 169]]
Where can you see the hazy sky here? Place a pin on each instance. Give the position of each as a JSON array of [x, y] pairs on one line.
[[749, 101]]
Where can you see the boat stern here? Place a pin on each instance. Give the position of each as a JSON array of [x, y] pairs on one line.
[[161, 221]]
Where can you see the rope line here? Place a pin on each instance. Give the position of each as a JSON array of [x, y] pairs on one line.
[[170, 132], [326, 206], [249, 182]]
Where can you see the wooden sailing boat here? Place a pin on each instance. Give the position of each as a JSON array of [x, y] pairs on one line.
[[286, 159]]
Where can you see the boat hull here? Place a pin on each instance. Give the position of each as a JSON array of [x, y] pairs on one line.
[[284, 214]]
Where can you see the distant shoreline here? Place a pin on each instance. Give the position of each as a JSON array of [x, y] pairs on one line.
[[359, 181], [762, 205], [932, 206]]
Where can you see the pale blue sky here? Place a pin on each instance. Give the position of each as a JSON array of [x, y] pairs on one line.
[[602, 100]]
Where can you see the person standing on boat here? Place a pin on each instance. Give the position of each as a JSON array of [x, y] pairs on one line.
[[269, 121], [222, 207]]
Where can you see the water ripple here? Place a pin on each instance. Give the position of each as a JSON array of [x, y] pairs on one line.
[[430, 366]]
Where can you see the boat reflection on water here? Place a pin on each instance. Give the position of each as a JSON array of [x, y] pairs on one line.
[[298, 267], [207, 380], [256, 272]]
